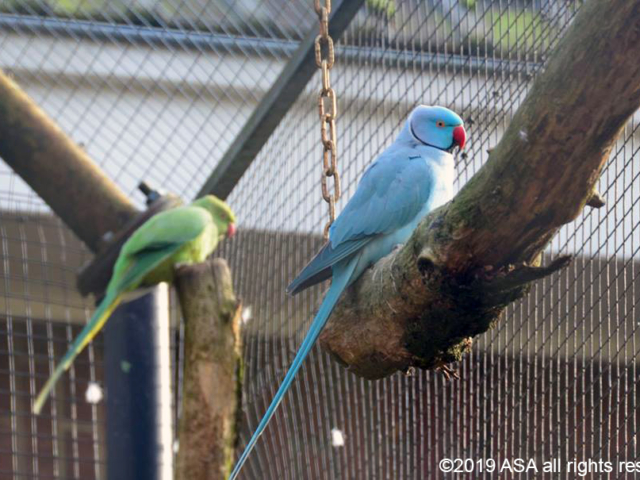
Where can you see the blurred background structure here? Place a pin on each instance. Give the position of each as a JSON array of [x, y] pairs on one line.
[[157, 90]]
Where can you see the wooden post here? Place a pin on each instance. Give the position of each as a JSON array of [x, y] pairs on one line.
[[212, 371]]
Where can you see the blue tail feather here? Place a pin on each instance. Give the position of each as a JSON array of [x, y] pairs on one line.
[[340, 281]]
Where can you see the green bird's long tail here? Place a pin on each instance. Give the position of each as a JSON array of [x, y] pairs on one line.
[[100, 316]]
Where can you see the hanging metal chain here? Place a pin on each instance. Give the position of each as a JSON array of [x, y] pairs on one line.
[[328, 113]]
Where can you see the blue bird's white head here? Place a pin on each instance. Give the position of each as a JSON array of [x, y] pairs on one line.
[[436, 127]]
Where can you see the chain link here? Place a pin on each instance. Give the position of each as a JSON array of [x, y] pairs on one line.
[[328, 111]]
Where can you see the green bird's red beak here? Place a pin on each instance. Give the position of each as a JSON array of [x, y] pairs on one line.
[[231, 230]]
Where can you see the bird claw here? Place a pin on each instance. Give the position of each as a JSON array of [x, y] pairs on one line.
[[397, 246], [448, 372], [409, 372]]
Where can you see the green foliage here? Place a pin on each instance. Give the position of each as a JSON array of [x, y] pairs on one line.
[[76, 9], [468, 4], [69, 6], [26, 7], [517, 28], [382, 7]]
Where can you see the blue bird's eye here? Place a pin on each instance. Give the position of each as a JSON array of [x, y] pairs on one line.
[[440, 124]]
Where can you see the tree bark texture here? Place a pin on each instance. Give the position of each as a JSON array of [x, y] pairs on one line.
[[211, 388], [421, 305]]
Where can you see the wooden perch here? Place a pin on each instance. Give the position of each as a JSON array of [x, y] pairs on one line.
[[421, 305], [212, 380], [59, 170]]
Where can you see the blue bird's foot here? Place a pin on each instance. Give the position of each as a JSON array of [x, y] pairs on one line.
[[448, 372], [395, 248], [409, 372]]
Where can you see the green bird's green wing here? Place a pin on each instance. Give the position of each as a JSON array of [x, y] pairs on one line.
[[156, 241], [177, 226]]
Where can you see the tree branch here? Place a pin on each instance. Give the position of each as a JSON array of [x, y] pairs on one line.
[[420, 305], [58, 170]]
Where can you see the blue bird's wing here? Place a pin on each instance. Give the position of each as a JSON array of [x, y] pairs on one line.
[[391, 193], [319, 268], [373, 210]]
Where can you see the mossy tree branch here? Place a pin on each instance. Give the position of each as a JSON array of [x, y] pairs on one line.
[[206, 433], [421, 305]]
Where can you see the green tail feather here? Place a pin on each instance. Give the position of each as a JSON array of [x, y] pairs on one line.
[[101, 315], [125, 278]]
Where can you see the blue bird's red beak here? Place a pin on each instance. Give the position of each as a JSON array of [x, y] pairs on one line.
[[459, 136]]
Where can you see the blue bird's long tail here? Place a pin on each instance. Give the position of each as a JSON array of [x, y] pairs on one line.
[[341, 278]]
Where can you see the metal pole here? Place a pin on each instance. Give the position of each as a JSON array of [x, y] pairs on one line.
[[138, 376], [220, 43]]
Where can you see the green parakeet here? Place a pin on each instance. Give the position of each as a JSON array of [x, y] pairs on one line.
[[184, 235]]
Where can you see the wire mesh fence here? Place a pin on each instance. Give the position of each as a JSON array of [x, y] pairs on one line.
[[157, 90], [42, 313], [153, 90]]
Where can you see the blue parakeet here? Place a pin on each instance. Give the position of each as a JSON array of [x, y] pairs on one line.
[[410, 178]]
